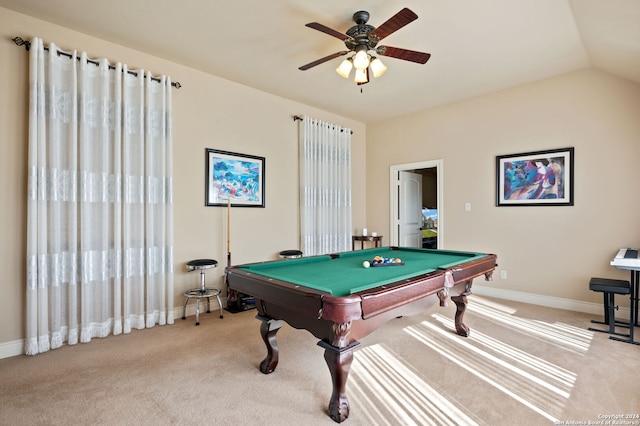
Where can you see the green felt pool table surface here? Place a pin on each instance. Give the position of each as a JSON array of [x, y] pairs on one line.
[[343, 274]]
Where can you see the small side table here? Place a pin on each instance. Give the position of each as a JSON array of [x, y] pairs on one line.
[[377, 240]]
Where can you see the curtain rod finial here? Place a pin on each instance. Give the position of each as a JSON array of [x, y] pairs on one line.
[[20, 42]]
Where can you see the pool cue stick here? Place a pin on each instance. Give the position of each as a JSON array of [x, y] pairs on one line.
[[228, 232], [231, 295]]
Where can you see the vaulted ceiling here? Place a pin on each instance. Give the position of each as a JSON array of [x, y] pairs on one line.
[[477, 47]]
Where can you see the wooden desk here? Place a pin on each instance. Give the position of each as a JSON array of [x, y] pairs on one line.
[[377, 240]]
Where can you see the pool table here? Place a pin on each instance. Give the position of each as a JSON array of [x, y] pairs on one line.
[[339, 301]]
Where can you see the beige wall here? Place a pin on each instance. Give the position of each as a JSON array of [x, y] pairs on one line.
[[550, 251], [208, 112]]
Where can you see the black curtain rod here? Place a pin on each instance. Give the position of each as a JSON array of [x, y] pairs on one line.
[[27, 44], [298, 118]]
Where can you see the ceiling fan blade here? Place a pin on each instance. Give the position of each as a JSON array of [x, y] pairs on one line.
[[393, 24], [322, 60], [404, 54], [327, 30]]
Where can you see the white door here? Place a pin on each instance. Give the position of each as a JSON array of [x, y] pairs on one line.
[[410, 201], [395, 199]]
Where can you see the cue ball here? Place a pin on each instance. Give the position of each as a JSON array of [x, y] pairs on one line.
[[366, 264]]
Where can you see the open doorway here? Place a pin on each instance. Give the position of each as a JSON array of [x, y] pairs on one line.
[[416, 204]]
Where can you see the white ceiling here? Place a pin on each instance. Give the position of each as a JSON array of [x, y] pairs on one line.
[[477, 47]]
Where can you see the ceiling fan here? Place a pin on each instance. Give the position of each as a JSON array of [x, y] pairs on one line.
[[362, 38]]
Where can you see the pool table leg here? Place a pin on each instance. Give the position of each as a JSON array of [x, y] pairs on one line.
[[339, 363], [268, 330], [461, 307]]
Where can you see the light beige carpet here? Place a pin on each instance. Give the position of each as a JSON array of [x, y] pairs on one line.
[[522, 365]]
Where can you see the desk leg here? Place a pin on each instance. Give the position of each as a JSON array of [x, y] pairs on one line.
[[633, 306], [339, 362], [268, 330], [635, 282]]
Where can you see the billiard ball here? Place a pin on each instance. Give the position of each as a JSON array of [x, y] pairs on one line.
[[366, 264]]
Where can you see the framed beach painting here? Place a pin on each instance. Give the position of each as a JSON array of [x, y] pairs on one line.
[[234, 179], [540, 178]]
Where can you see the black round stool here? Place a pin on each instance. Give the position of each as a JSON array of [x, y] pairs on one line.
[[290, 254], [201, 292]]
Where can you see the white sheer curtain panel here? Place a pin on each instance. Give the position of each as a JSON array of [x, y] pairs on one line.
[[100, 209], [325, 187]]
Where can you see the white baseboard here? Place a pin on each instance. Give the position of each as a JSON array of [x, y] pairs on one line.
[[15, 348], [9, 349], [548, 301]]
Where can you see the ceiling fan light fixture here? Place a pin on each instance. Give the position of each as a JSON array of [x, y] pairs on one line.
[[361, 60], [345, 68], [361, 39], [377, 67], [361, 76]]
